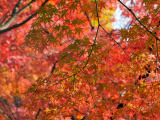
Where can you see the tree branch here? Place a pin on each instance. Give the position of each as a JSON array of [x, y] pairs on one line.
[[38, 113], [139, 21], [5, 101], [89, 20], [5, 115], [13, 16], [25, 21], [16, 7], [25, 7], [54, 66], [5, 17]]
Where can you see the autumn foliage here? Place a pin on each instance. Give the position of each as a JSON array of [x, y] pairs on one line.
[[63, 60]]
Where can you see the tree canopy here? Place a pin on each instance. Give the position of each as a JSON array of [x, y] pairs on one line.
[[63, 60]]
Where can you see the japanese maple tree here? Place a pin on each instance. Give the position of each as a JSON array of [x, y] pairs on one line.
[[97, 72]]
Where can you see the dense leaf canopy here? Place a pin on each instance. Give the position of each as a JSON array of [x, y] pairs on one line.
[[63, 60]]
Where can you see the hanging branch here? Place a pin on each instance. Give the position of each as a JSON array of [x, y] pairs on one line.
[[139, 20]]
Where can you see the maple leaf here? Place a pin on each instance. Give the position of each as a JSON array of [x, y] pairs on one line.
[[78, 30]]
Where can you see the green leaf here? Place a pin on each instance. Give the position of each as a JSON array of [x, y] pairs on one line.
[[57, 27], [54, 41], [69, 33], [78, 30], [77, 22], [81, 53], [64, 55], [59, 35], [67, 21]]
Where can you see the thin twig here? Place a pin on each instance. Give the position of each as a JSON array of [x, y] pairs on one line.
[[157, 56], [89, 20], [63, 14], [115, 41]]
